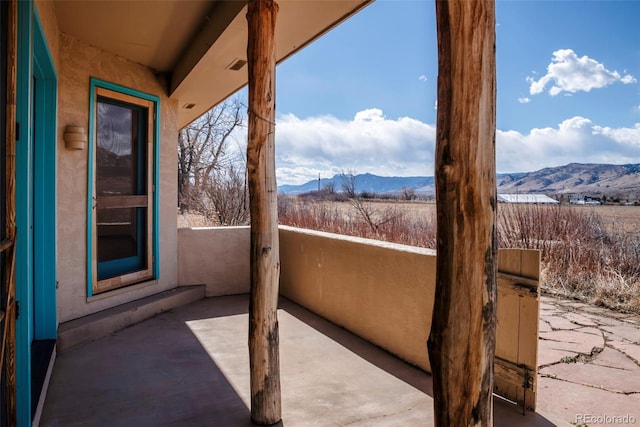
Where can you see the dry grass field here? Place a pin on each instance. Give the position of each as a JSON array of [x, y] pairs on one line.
[[625, 219], [616, 218]]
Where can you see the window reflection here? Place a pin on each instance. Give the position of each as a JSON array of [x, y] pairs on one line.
[[116, 153]]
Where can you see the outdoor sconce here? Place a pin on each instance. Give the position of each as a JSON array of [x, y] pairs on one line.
[[75, 138]]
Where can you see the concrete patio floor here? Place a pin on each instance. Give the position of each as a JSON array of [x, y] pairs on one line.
[[190, 367]]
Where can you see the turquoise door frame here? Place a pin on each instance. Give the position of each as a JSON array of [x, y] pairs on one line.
[[44, 198], [35, 199]]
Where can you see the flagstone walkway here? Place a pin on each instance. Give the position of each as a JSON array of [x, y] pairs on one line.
[[589, 363]]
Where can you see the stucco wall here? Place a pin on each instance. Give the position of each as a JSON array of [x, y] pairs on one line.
[[384, 292], [217, 257], [78, 63], [360, 284]]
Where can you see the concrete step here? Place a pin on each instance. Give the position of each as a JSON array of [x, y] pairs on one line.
[[98, 325]]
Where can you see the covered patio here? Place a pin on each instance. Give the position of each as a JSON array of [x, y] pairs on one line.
[[190, 367], [76, 187]]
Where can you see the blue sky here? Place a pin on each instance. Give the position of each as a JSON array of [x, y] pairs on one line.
[[362, 97]]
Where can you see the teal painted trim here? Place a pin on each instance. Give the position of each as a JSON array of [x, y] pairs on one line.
[[118, 267], [44, 152], [35, 166], [156, 191], [90, 198], [155, 245], [24, 267], [123, 89]]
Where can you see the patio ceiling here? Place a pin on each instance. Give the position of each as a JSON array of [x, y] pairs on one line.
[[193, 44]]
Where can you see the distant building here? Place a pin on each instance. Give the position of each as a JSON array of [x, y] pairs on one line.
[[584, 201], [539, 199], [577, 201]]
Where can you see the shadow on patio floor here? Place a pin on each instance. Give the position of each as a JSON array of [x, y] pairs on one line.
[[190, 367]]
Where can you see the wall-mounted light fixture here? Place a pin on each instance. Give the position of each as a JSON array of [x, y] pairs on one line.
[[75, 138]]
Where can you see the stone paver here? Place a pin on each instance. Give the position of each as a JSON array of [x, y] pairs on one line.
[[589, 363], [590, 330], [601, 320], [560, 322], [614, 359], [576, 341], [631, 350], [579, 319], [549, 356], [626, 332], [589, 374], [573, 402], [544, 326]]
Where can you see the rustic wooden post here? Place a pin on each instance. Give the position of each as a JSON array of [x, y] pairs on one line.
[[10, 229], [263, 206], [462, 340]]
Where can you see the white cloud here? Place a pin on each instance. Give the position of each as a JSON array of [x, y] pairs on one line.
[[569, 73], [628, 79], [422, 78], [370, 143], [574, 140], [524, 100], [373, 143]]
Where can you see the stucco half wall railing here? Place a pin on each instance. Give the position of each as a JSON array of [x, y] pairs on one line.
[[217, 257], [382, 292]]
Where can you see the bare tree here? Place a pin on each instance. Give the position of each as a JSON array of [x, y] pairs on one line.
[[227, 191], [408, 193], [329, 188], [369, 215], [363, 208], [349, 184], [203, 150]]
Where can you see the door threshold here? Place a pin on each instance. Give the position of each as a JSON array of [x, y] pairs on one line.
[[43, 356]]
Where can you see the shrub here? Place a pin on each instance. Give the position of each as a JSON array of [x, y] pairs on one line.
[[389, 224], [580, 257]]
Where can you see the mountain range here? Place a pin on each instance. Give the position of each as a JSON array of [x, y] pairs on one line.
[[574, 178]]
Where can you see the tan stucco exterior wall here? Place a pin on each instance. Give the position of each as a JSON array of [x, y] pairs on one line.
[[360, 284], [217, 257], [384, 292], [78, 63]]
